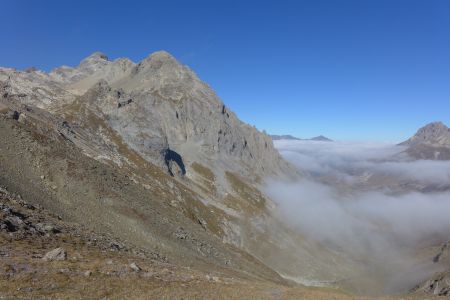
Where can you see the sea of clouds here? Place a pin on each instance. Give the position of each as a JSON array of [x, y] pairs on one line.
[[348, 158], [381, 228]]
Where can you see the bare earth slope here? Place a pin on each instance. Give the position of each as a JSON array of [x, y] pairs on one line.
[[107, 225], [94, 266]]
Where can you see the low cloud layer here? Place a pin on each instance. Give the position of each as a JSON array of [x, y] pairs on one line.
[[349, 160], [373, 225]]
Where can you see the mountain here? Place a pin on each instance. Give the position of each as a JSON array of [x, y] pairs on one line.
[[284, 137], [148, 154], [157, 106], [321, 138], [140, 181], [290, 137], [430, 142]]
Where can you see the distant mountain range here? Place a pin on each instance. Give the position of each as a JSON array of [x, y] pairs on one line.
[[290, 137], [430, 142]]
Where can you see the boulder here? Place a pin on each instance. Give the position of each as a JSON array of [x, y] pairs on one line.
[[55, 254], [135, 267]]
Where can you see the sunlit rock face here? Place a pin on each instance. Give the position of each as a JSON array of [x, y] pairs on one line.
[[430, 142], [155, 105]]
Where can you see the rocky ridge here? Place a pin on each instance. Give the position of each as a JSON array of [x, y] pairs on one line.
[[434, 134], [430, 142], [156, 106]]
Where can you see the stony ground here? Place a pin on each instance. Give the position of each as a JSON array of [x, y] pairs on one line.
[[86, 265], [91, 266]]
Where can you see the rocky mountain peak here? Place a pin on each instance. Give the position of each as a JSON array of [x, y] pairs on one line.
[[430, 142], [162, 55], [434, 129], [156, 106], [436, 134], [124, 62], [159, 62], [93, 63], [95, 57]]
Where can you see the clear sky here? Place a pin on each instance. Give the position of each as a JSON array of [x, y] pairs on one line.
[[348, 69]]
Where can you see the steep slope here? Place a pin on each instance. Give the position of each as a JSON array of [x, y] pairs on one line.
[[93, 266], [430, 142], [164, 217], [187, 170], [438, 284]]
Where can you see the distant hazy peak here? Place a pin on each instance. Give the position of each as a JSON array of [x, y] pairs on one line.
[[321, 138], [290, 137], [283, 137]]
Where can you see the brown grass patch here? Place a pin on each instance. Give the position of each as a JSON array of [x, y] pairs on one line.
[[207, 177], [247, 198]]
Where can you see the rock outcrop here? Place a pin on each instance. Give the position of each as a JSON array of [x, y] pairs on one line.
[[435, 134], [438, 285], [55, 254], [157, 106], [430, 142]]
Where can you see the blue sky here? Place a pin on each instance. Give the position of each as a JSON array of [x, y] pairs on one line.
[[349, 69]]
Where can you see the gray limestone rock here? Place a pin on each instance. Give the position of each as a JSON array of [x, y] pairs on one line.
[[55, 254], [157, 106], [430, 142]]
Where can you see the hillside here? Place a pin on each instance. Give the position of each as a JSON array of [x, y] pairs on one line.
[[146, 155], [43, 256], [146, 152]]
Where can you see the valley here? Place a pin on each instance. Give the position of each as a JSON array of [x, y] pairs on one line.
[[155, 188]]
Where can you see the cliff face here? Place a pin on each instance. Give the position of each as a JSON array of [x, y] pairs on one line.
[[157, 106]]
